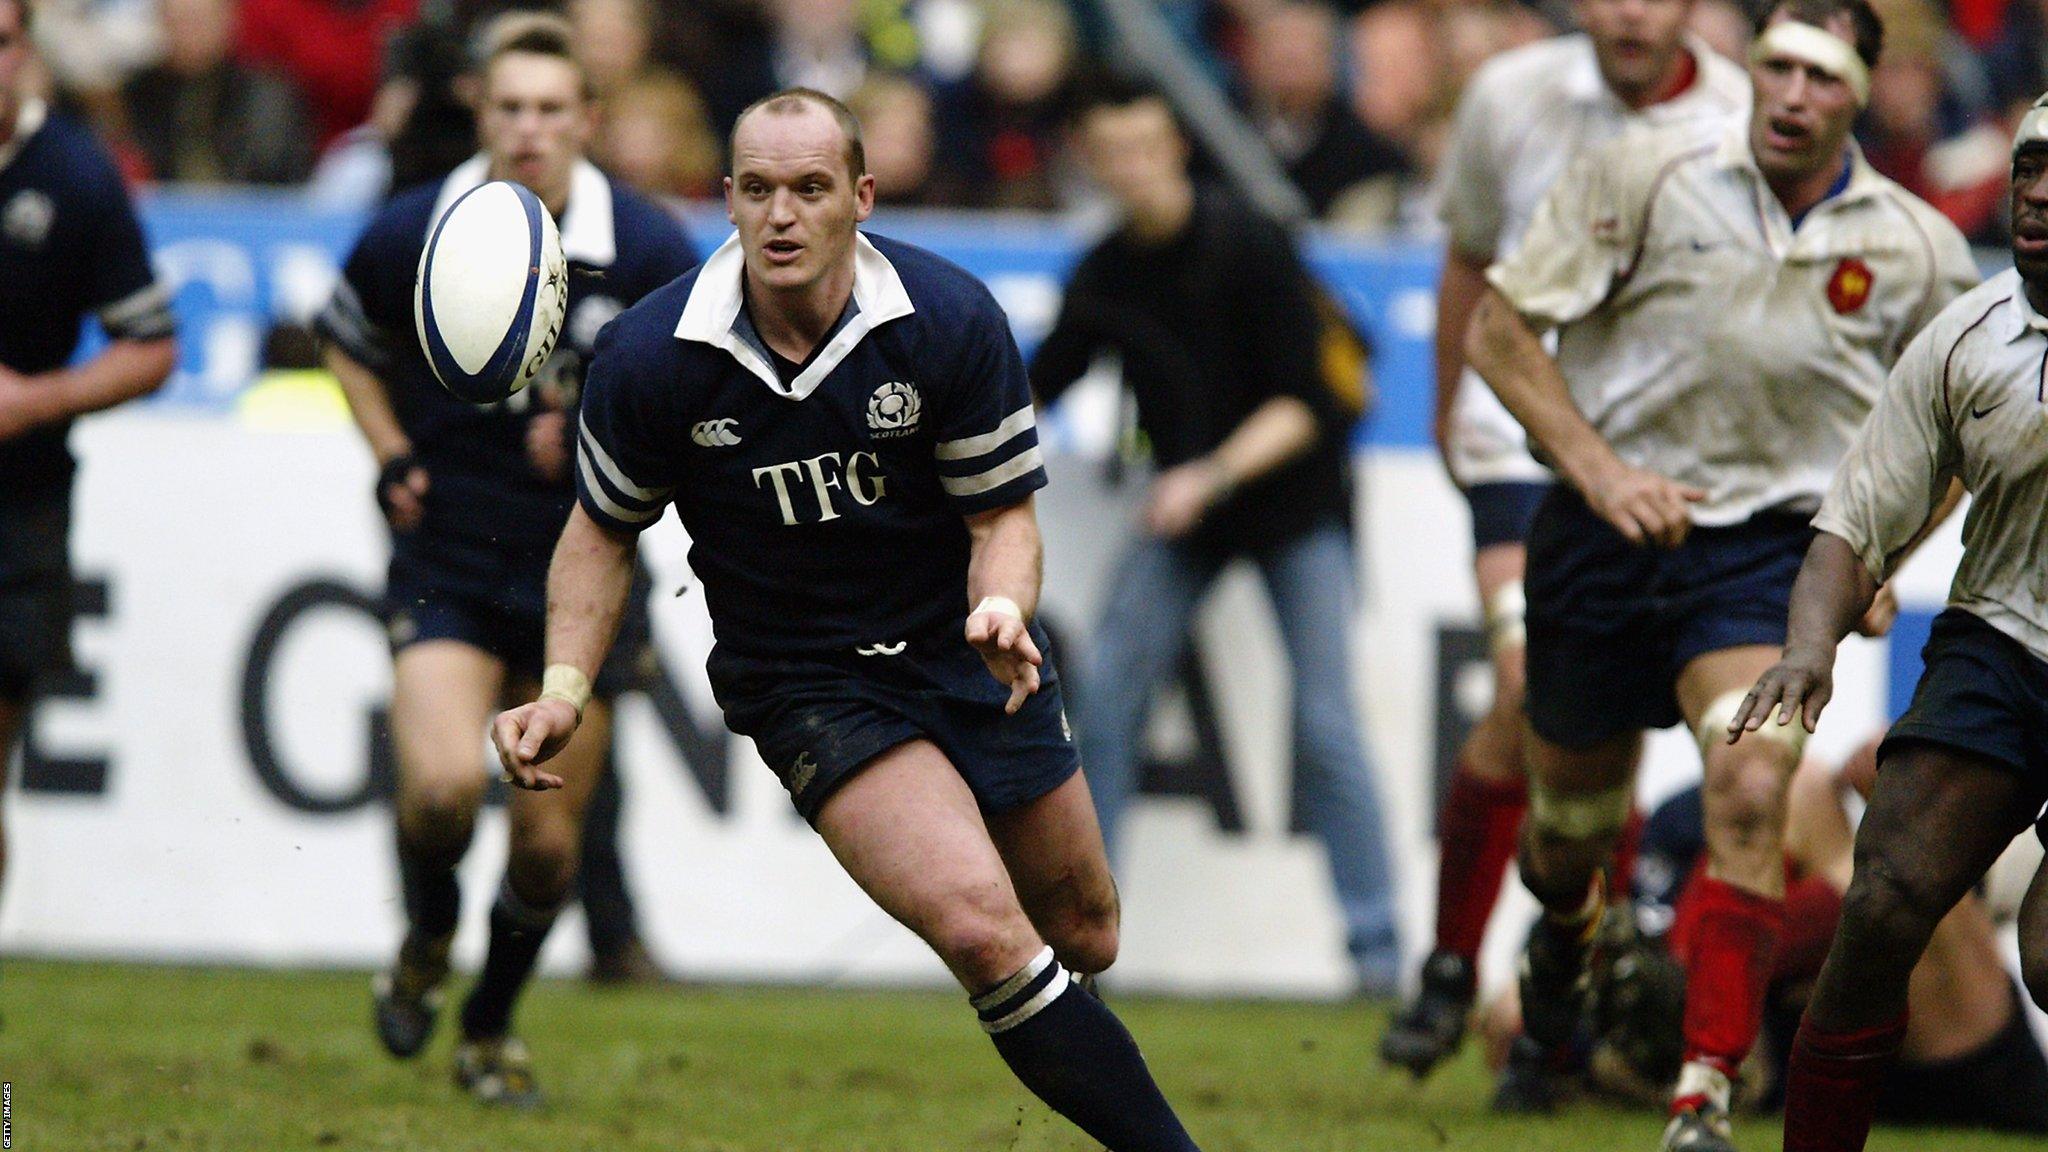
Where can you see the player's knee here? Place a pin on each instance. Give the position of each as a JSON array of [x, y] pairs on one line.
[[1746, 795], [981, 944], [1886, 909], [542, 866], [1089, 935]]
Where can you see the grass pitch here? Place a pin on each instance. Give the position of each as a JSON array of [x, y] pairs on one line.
[[105, 1058]]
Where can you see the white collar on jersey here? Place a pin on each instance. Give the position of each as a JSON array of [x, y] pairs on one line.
[[1584, 84], [586, 224], [711, 314], [1734, 152], [27, 122], [2025, 319]]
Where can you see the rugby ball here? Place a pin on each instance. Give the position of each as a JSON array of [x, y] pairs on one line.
[[491, 290]]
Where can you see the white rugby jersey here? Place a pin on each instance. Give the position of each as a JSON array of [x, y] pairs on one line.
[[1709, 340], [1966, 401], [1525, 116]]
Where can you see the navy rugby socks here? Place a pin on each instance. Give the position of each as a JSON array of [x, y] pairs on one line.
[[1074, 1054], [433, 898], [517, 932]]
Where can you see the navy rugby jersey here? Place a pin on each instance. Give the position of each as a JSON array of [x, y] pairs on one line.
[[70, 247], [825, 513], [483, 496]]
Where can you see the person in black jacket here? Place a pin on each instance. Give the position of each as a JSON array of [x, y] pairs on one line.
[[1218, 325]]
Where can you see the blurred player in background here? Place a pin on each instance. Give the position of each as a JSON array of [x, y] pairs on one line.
[[1525, 116], [1217, 324], [1967, 1058], [1961, 773], [70, 248], [475, 497], [845, 429], [1726, 312]]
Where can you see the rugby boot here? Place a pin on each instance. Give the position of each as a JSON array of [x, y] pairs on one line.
[[497, 1072], [407, 999], [1699, 1113], [1432, 1027], [1556, 982]]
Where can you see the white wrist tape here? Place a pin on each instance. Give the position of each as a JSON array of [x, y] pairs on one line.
[[1001, 605], [567, 683], [1792, 39]]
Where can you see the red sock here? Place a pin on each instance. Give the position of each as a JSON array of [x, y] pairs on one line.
[[1733, 941], [1621, 881], [1477, 833], [1812, 910], [1832, 1083]]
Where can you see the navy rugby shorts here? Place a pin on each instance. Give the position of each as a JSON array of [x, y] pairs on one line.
[[427, 600], [35, 594], [1502, 511], [1980, 692], [817, 720], [1612, 624]]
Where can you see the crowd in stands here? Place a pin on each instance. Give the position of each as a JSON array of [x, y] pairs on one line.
[[962, 99]]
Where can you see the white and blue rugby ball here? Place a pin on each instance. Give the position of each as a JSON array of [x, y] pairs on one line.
[[491, 291]]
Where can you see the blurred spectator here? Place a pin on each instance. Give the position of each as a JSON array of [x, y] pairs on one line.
[[1346, 170], [1724, 26], [200, 117], [615, 40], [896, 127], [657, 138], [330, 48], [824, 44], [1005, 129], [91, 46], [421, 123], [1400, 65]]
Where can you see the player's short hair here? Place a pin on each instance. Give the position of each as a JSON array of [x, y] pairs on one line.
[[791, 101], [1820, 13], [1115, 90], [531, 34]]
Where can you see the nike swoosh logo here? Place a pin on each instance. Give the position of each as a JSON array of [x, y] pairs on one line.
[[1980, 413]]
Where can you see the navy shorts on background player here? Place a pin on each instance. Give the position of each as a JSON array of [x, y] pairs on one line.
[[1502, 512], [817, 721], [1982, 692], [1612, 624], [35, 594]]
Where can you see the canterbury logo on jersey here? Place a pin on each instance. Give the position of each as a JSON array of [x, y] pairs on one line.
[[714, 433]]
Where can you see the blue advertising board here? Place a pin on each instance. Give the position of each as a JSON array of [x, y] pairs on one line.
[[244, 261]]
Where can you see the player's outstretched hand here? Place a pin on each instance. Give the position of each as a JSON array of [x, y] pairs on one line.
[[1643, 506], [1798, 686], [528, 736], [1877, 619], [402, 492], [1006, 647]]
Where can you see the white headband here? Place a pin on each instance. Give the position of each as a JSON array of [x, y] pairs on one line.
[[2033, 127], [1816, 46]]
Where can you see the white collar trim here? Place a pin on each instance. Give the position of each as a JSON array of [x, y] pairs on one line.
[[588, 236], [27, 122], [712, 312]]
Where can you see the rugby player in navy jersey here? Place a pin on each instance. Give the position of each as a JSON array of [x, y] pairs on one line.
[[844, 426], [475, 497], [70, 248]]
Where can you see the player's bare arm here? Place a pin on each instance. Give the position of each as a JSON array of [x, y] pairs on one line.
[[1509, 355], [124, 370], [1276, 432], [1004, 568], [1831, 596], [401, 484], [588, 582], [1457, 295]]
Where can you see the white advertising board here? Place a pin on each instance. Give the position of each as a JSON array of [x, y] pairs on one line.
[[204, 788]]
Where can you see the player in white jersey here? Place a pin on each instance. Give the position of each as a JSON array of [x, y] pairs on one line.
[[1966, 768], [1726, 314], [1525, 116]]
